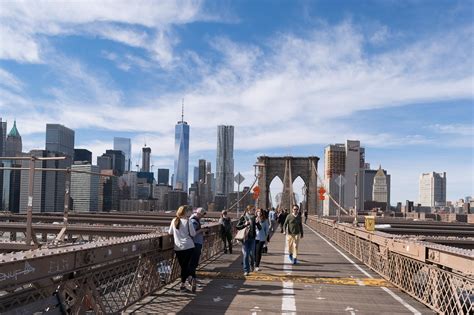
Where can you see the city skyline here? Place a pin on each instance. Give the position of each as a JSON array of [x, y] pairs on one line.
[[399, 83]]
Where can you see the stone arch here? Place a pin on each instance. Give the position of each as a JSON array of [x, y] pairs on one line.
[[288, 168]]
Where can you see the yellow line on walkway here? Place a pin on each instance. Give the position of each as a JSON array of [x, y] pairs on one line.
[[295, 278]]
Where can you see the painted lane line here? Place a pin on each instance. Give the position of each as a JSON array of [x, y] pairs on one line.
[[288, 303], [399, 299], [390, 292]]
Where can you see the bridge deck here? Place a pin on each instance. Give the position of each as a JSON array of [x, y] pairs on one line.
[[325, 281]]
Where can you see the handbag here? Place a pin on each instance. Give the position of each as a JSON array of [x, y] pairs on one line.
[[242, 235]]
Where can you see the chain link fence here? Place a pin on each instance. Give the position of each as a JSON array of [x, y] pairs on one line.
[[443, 291], [97, 278]]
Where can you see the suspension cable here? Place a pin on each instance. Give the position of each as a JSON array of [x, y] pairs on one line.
[[241, 198], [327, 190]]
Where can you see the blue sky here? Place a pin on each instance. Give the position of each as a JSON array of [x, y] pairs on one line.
[[291, 76]]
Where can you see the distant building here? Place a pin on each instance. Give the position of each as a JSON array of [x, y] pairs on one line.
[[432, 189], [49, 187], [163, 176], [128, 185], [82, 155], [225, 160], [367, 186], [220, 202], [13, 145], [347, 160], [124, 145], [108, 191], [181, 159], [196, 174], [160, 194], [60, 139], [85, 188], [112, 160], [176, 198], [146, 156]]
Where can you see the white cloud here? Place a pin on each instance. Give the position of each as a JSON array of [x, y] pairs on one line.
[[10, 81], [25, 22], [456, 129], [287, 91]]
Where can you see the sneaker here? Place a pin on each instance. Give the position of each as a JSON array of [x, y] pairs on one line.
[[182, 288], [290, 257], [246, 273], [193, 285], [295, 261], [257, 268]]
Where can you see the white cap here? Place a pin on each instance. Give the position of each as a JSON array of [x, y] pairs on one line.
[[201, 211]]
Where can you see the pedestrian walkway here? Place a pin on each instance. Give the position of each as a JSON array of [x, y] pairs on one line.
[[325, 281]]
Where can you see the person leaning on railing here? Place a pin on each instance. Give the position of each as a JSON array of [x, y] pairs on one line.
[[183, 233]]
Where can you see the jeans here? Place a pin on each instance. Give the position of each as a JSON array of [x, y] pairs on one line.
[[248, 251], [227, 239], [258, 252], [195, 259], [184, 256]]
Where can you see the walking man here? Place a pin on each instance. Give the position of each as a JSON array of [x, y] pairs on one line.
[[293, 228]]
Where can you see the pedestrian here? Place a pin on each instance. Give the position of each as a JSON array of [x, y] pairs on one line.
[[248, 245], [305, 215], [226, 231], [293, 227], [282, 218], [272, 215], [198, 241], [261, 237], [183, 232]]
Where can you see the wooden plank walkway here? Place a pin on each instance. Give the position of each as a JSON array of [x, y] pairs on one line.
[[324, 282]]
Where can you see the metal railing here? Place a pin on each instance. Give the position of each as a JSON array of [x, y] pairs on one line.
[[438, 277], [103, 277]]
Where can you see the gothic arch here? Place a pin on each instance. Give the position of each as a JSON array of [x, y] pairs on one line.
[[288, 168]]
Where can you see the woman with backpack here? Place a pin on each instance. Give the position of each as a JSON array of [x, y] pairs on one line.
[[226, 231], [183, 233]]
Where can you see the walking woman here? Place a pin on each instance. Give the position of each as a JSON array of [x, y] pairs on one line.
[[248, 246], [183, 233], [226, 231], [261, 237]]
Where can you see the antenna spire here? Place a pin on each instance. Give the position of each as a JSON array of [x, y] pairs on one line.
[[182, 111]]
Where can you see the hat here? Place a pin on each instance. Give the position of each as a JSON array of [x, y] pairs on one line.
[[201, 211]]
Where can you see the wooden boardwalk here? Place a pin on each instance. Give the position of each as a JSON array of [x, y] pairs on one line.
[[326, 281]]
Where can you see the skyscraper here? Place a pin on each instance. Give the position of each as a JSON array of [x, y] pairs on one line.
[[85, 188], [367, 187], [163, 176], [60, 139], [124, 145], [432, 189], [112, 160], [181, 155], [146, 153], [347, 160], [81, 155], [13, 144], [225, 160], [380, 189]]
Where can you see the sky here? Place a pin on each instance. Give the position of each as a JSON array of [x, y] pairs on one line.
[[291, 76]]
